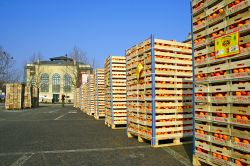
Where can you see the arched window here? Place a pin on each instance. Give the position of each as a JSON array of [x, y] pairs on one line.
[[67, 83], [33, 82], [44, 82], [56, 83]]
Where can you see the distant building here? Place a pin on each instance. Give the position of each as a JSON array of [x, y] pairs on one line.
[[58, 76]]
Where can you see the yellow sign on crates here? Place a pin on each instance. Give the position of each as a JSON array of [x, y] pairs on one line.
[[227, 45], [139, 70]]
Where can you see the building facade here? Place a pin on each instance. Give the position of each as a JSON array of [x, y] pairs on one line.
[[56, 77]]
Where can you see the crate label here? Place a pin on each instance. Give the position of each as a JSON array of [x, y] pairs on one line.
[[241, 99], [200, 98], [219, 119], [239, 75], [237, 7], [216, 78], [219, 161], [241, 145], [218, 140], [240, 121], [200, 154], [202, 136]]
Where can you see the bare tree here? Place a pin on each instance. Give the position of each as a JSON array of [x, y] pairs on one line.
[[34, 61], [78, 57], [8, 73]]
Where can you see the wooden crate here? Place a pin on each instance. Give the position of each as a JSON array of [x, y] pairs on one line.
[[171, 118], [115, 92], [221, 84], [14, 96], [99, 94]]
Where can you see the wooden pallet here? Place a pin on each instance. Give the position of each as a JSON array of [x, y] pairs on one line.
[[116, 126], [159, 143]]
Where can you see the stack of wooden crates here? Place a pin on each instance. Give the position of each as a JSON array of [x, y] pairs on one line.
[[84, 102], [115, 92], [99, 93], [91, 99], [19, 96], [77, 98], [222, 102], [159, 91]]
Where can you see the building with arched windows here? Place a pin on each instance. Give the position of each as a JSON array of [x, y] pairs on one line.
[[58, 76]]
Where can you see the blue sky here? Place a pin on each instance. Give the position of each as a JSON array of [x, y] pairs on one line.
[[98, 27]]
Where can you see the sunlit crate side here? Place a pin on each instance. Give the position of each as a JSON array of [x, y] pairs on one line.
[[220, 134], [200, 39], [216, 12], [215, 31], [219, 72], [131, 53], [240, 138], [219, 93], [198, 6], [240, 68], [201, 93], [240, 115], [239, 22], [233, 8], [118, 59], [199, 22], [220, 113], [169, 45], [241, 157], [201, 74], [202, 111], [200, 57], [27, 96]]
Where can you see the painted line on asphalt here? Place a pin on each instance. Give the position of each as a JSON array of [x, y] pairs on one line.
[[5, 120], [177, 156], [75, 150], [61, 116], [20, 161]]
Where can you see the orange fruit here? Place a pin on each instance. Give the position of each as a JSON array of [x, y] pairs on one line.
[[247, 69], [225, 137], [221, 32], [240, 25], [219, 156], [235, 71], [247, 21], [225, 158], [245, 141], [212, 54], [221, 11], [236, 2], [214, 15], [214, 155], [231, 27], [237, 162], [241, 70], [243, 93], [244, 117], [216, 135], [238, 117], [236, 139], [224, 148], [248, 44], [238, 93], [224, 115]]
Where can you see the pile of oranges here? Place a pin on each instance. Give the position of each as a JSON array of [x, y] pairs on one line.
[[198, 76], [219, 73], [199, 5], [217, 33], [236, 2], [199, 22], [200, 58], [220, 115], [201, 132], [239, 24], [220, 94], [200, 94], [202, 113], [242, 93], [219, 156], [199, 40], [243, 117], [221, 136], [240, 140], [216, 14], [241, 70]]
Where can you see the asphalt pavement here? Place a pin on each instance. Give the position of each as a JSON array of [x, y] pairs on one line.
[[52, 135]]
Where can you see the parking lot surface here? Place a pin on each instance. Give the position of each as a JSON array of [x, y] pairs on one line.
[[52, 135]]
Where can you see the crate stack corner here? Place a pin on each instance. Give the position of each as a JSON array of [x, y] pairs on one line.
[[222, 91], [99, 93], [115, 92], [159, 91], [90, 99]]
